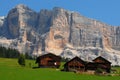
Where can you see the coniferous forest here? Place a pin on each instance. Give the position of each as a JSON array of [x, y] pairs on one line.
[[8, 53], [12, 53]]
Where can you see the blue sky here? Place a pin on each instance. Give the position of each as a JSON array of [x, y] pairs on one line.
[[107, 11]]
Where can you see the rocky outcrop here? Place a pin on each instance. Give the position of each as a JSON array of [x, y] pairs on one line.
[[1, 20], [21, 19], [59, 31]]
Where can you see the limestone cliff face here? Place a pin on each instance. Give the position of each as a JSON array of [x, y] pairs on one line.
[[61, 32], [21, 19]]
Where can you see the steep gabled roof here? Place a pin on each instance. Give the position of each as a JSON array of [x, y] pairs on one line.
[[76, 58], [101, 58], [50, 55]]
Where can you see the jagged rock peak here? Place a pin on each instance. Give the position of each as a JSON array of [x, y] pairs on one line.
[[58, 8], [21, 6]]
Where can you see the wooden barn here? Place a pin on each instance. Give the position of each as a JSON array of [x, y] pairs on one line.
[[48, 60], [102, 63], [99, 63], [75, 64]]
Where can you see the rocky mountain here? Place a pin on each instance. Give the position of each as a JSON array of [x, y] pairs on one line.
[[61, 32]]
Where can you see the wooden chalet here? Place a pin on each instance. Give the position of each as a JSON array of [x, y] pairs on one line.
[[48, 60], [102, 63], [75, 64]]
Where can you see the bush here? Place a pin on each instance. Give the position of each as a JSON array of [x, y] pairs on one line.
[[21, 60], [99, 71]]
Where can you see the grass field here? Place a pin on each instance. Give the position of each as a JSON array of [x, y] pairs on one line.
[[10, 70]]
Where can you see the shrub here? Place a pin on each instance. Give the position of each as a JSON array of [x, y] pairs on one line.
[[99, 71], [21, 60]]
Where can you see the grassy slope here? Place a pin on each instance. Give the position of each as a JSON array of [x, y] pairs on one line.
[[10, 70]]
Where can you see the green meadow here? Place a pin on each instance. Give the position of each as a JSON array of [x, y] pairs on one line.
[[10, 70]]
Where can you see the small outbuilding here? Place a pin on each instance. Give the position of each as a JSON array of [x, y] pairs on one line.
[[48, 60], [75, 64]]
